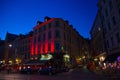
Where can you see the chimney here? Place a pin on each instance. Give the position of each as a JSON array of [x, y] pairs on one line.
[[47, 18], [39, 22]]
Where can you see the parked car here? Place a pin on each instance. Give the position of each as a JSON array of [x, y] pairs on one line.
[[47, 70]]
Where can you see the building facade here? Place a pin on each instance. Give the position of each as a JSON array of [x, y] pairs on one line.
[[106, 29], [22, 47], [55, 36], [52, 39], [2, 50]]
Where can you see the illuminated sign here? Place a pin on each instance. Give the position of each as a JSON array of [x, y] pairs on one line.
[[46, 57]]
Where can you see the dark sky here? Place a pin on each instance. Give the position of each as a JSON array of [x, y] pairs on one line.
[[20, 16]]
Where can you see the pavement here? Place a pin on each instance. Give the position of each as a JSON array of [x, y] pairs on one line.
[[100, 72]]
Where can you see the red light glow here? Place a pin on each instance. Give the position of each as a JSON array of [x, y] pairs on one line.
[[44, 23], [31, 46]]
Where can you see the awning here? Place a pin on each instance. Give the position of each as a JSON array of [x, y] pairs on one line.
[[35, 62], [112, 57]]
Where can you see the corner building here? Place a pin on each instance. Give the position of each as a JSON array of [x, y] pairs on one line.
[[56, 37]]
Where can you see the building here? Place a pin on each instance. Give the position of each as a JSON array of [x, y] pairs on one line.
[[56, 37], [52, 39], [105, 31], [22, 46], [2, 50], [9, 48]]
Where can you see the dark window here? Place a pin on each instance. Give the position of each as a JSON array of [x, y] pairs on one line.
[[39, 49], [104, 1], [64, 36], [118, 37], [49, 46], [43, 48], [44, 28], [39, 38], [57, 24], [107, 43], [34, 40], [110, 5], [36, 31], [49, 25], [112, 42], [104, 31], [106, 12], [57, 34], [57, 46], [119, 10], [44, 37], [109, 27], [113, 20], [39, 30], [117, 0], [49, 35]]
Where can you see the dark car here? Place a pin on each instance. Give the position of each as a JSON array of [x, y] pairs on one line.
[[47, 70]]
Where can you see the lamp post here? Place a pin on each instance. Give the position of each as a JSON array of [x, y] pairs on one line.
[[8, 46], [9, 51]]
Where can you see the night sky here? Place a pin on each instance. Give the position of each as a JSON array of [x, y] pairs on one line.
[[20, 16]]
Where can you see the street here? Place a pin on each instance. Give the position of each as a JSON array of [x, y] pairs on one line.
[[75, 74]]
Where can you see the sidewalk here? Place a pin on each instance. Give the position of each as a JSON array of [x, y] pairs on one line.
[[107, 73]]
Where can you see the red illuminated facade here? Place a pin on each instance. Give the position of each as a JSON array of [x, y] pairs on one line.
[[56, 36]]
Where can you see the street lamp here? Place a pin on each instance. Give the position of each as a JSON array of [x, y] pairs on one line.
[[10, 45], [7, 53]]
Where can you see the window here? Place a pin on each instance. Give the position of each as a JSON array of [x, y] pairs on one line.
[[39, 38], [43, 47], [49, 46], [57, 46], [110, 5], [64, 36], [57, 24], [119, 10], [57, 34], [106, 12], [34, 40], [104, 1], [107, 43], [44, 37], [112, 42], [49, 25], [36, 31], [39, 30], [44, 28], [113, 20], [118, 37], [109, 27], [49, 35]]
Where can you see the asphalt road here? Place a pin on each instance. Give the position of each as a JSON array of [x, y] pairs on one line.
[[74, 74]]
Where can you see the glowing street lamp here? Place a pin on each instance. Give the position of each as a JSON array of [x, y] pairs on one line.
[[10, 45]]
